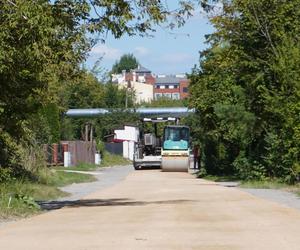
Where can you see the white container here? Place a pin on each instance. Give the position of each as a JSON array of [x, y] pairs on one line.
[[67, 159], [97, 159]]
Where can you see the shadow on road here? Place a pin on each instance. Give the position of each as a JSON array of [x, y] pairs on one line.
[[52, 205]]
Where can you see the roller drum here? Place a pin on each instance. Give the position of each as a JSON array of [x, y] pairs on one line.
[[175, 163]]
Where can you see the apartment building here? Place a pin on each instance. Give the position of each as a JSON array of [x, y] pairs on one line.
[[172, 86], [148, 86]]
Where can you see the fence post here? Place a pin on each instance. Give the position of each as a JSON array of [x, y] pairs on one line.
[[55, 153]]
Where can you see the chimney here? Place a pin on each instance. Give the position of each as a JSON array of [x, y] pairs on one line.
[[134, 76]]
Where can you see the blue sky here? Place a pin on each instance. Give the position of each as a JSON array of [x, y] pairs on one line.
[[164, 53]]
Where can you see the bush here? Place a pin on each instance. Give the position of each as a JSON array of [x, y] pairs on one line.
[[6, 175], [249, 170]]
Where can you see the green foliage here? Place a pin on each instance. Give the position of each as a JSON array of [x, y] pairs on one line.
[[126, 62], [164, 102], [116, 98], [27, 200], [42, 47], [100, 146], [107, 123], [109, 160], [6, 175], [18, 197], [246, 90]]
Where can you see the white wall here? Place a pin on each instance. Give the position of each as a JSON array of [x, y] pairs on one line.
[[143, 91], [129, 133], [128, 149]]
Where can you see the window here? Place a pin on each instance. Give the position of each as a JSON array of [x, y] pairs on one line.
[[167, 95], [167, 86], [175, 86], [184, 89], [157, 86], [175, 96], [157, 95]]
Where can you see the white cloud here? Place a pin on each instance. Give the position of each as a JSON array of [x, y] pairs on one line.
[[176, 58], [106, 52], [141, 51]]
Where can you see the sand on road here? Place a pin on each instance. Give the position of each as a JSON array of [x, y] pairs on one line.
[[156, 210]]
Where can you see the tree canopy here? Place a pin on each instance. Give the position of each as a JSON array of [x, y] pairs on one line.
[[42, 47], [247, 90], [126, 62]]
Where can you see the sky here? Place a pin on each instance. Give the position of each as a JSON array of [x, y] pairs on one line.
[[165, 53]]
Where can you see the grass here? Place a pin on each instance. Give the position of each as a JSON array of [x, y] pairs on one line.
[[113, 160], [272, 184], [107, 161], [220, 178], [24, 193], [17, 198], [264, 184], [258, 184], [80, 167]]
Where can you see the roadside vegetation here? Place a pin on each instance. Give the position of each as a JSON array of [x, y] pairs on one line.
[[113, 160], [108, 160], [272, 184], [246, 90], [43, 48], [256, 184], [18, 197]]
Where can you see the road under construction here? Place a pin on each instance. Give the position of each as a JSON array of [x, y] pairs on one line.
[[171, 151]]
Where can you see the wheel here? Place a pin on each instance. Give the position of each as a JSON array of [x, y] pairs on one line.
[[136, 167]]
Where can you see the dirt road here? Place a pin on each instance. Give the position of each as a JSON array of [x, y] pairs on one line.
[[155, 210]]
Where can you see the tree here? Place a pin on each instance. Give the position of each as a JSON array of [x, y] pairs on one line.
[[247, 90], [126, 62], [42, 45]]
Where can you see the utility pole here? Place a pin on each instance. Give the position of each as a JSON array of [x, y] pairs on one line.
[[126, 99]]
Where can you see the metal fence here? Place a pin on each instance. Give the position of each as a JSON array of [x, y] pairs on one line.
[[114, 148], [80, 152]]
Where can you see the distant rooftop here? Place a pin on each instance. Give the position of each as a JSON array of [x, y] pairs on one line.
[[169, 79], [141, 69]]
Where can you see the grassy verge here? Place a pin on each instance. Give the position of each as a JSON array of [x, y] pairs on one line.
[[272, 184], [80, 167], [220, 178], [262, 184], [17, 198], [107, 161], [113, 160]]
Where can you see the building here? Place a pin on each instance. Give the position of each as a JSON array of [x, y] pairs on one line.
[[147, 86], [173, 86], [140, 80]]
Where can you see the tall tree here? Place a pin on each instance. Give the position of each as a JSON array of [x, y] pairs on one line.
[[247, 90], [43, 43], [126, 62]]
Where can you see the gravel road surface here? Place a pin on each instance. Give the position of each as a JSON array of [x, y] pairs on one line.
[[105, 177], [156, 210], [283, 197]]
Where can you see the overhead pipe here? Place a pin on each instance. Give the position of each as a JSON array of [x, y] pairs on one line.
[[144, 112]]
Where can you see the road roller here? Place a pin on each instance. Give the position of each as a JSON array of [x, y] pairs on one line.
[[175, 150]]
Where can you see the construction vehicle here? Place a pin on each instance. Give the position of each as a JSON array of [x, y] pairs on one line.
[[170, 152], [176, 149]]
